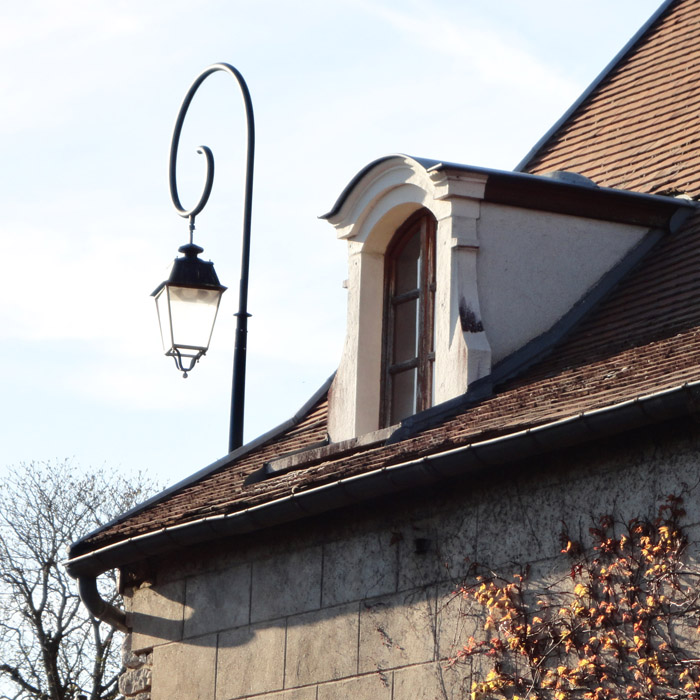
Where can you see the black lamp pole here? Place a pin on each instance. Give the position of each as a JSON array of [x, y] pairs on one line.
[[239, 354]]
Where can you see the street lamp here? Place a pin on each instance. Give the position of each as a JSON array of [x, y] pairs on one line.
[[188, 301]]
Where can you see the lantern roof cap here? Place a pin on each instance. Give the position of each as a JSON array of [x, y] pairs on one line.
[[190, 271]]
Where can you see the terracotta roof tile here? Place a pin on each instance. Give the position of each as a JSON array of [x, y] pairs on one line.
[[640, 128]]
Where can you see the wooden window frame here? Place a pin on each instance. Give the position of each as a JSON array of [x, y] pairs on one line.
[[424, 222]]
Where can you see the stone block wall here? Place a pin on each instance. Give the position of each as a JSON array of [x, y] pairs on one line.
[[135, 680], [361, 604]]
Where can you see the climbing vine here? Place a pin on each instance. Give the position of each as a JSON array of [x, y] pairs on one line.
[[623, 625]]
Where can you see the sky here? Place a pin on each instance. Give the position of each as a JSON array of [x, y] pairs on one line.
[[90, 92]]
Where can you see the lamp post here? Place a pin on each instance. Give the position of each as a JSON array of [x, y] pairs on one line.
[[188, 301]]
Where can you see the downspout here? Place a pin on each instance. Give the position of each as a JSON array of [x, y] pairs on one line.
[[98, 607]]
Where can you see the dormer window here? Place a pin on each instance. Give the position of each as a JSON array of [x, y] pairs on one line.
[[454, 271], [409, 338]]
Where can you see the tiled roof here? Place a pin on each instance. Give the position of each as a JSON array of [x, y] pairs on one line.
[[644, 338], [635, 131], [640, 128]]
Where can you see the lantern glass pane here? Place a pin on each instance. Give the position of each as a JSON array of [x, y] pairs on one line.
[[164, 319], [192, 314]]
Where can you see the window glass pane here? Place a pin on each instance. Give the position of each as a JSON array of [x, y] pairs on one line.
[[408, 266], [405, 331], [403, 395], [410, 323]]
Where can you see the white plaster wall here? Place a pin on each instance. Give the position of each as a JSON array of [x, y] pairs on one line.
[[534, 266], [346, 607], [355, 394], [462, 351]]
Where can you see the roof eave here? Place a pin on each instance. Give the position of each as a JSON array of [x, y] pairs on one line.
[[529, 191], [211, 468], [469, 459]]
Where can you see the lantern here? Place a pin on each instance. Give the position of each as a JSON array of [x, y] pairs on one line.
[[187, 304]]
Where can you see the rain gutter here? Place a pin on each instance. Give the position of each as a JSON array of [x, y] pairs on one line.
[[468, 459], [215, 466]]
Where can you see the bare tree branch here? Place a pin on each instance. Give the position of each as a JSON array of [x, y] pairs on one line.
[[16, 676], [50, 648]]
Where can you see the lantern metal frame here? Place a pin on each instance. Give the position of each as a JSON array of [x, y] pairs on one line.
[[188, 272]]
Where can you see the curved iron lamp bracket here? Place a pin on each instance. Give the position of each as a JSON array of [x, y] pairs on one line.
[[205, 150], [239, 357]]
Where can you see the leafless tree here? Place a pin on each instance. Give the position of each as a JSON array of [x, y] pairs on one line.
[[50, 647]]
